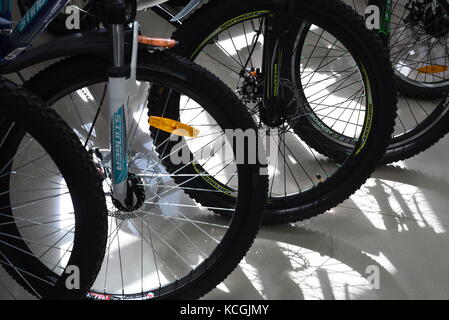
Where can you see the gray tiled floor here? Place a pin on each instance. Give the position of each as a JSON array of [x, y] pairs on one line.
[[398, 222]]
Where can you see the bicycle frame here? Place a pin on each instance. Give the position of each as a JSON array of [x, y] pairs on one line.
[[29, 27], [18, 40], [386, 12], [6, 9], [156, 6]]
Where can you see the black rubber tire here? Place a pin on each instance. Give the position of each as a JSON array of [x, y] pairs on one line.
[[347, 25], [21, 112], [52, 82], [417, 140], [417, 91], [310, 128], [434, 128]]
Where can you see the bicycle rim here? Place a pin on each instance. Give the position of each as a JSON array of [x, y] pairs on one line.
[[170, 241], [295, 167]]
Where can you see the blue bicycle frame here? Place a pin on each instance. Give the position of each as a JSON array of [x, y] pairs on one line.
[[28, 28], [6, 9]]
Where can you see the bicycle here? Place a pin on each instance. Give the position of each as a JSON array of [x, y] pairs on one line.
[[249, 46], [161, 244], [421, 121], [423, 115], [307, 183]]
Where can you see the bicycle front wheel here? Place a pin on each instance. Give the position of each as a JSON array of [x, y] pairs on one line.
[[53, 219], [342, 85], [168, 246]]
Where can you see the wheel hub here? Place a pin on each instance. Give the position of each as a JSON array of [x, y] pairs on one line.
[[147, 188], [251, 90], [292, 107], [135, 186]]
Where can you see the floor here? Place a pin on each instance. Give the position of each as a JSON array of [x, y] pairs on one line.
[[397, 225], [390, 240]]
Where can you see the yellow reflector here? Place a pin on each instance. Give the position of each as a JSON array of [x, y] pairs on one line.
[[432, 69], [173, 126]]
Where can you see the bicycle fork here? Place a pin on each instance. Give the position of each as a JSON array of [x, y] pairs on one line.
[[119, 89], [385, 11], [274, 61]]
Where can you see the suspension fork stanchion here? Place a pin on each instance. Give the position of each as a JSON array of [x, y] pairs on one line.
[[275, 34], [117, 92]]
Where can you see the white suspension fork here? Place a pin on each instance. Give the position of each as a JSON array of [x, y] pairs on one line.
[[120, 89]]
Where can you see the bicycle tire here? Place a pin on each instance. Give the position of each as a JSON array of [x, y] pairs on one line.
[[426, 131], [167, 68], [23, 113], [402, 146], [429, 131], [215, 17]]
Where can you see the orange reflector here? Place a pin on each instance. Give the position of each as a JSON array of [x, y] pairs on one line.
[[432, 69], [158, 42], [174, 127], [253, 73]]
